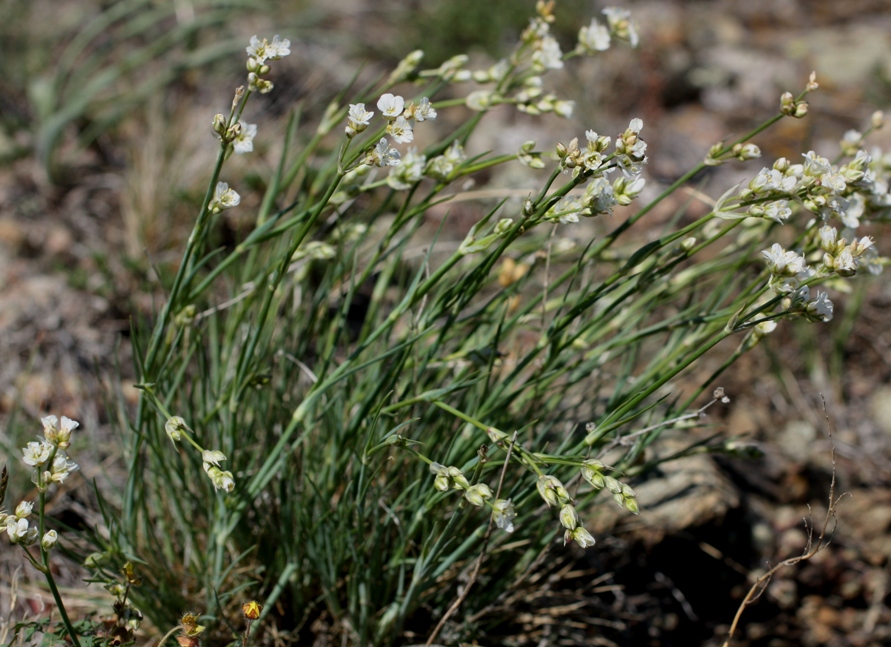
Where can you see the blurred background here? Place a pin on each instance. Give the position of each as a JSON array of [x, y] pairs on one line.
[[105, 149]]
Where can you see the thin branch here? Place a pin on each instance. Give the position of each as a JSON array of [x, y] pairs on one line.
[[811, 549]]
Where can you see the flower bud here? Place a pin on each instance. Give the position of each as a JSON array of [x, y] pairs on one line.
[[213, 456], [547, 489], [253, 65], [569, 517], [582, 537], [458, 479], [812, 82], [219, 124], [251, 610], [592, 473], [613, 485], [23, 509], [477, 494], [174, 428]]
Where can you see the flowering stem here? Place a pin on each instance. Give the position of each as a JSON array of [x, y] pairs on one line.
[[44, 554]]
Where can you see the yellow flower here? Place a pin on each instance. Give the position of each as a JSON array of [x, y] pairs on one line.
[[251, 610]]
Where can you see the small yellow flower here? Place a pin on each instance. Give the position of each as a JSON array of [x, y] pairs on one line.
[[251, 610], [189, 625]]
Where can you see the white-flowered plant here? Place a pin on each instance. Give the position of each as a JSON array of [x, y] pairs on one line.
[[51, 465], [177, 431], [379, 291]]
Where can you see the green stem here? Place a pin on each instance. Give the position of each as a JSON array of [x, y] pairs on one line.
[[44, 554]]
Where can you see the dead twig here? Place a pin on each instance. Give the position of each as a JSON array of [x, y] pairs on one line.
[[811, 548], [479, 562]]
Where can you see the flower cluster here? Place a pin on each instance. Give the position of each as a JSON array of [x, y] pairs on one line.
[[554, 494], [401, 120], [259, 52], [177, 430], [623, 495], [51, 465], [231, 130], [452, 478], [240, 134], [787, 271], [825, 189], [600, 195], [596, 36]]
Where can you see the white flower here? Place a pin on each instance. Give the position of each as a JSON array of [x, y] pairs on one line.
[[60, 469], [455, 153], [845, 263], [409, 170], [814, 165], [820, 308], [400, 130], [477, 494], [278, 48], [50, 430], [778, 211], [64, 435], [213, 456], [765, 328], [783, 262], [357, 119], [223, 198], [425, 111], [828, 237], [450, 69], [563, 108], [594, 38], [174, 428], [244, 142], [566, 210], [442, 166], [625, 189], [504, 513], [382, 154], [261, 51], [620, 25], [599, 196], [36, 454], [221, 480], [23, 509], [391, 106], [49, 540], [17, 529], [547, 55]]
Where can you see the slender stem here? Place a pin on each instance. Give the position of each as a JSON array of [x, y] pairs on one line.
[[44, 554]]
